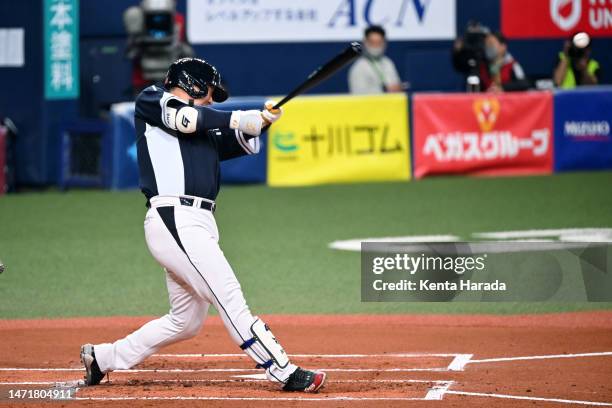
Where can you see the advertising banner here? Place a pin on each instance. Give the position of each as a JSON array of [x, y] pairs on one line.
[[555, 18], [482, 134], [583, 119], [61, 21], [256, 21], [336, 139]]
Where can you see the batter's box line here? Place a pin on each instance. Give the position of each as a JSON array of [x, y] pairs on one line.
[[379, 355], [457, 364], [213, 398], [434, 393], [529, 398], [224, 370], [236, 379]]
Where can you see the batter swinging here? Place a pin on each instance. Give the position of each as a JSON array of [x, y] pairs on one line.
[[180, 142]]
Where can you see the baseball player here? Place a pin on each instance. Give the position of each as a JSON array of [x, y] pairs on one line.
[[180, 142]]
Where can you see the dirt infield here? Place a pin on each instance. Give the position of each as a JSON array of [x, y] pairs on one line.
[[400, 360]]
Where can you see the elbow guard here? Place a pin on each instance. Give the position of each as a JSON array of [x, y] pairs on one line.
[[183, 119], [177, 115]]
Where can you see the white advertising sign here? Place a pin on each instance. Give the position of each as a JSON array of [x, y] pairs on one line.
[[250, 21]]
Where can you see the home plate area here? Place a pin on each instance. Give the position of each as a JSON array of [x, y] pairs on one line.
[[550, 360], [351, 377], [375, 379]]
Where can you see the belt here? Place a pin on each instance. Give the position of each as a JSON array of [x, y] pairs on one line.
[[196, 202], [201, 203]]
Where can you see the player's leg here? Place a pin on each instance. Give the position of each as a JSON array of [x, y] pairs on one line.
[[184, 321], [188, 310], [219, 284]]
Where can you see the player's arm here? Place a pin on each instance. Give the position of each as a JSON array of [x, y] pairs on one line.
[[232, 143], [164, 110]]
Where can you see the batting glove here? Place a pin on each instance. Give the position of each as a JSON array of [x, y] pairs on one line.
[[249, 122], [269, 114]]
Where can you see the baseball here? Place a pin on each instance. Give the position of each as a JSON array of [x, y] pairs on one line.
[[581, 40]]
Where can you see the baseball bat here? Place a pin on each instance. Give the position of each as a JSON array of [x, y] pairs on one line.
[[322, 73]]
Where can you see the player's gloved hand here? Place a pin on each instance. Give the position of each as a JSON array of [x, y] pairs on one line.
[[249, 122], [269, 114]]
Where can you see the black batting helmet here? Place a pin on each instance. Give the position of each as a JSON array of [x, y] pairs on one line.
[[189, 73]]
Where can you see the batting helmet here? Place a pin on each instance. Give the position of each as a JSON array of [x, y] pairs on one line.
[[189, 73]]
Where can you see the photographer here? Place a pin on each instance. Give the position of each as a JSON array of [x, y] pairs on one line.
[[484, 58], [575, 66], [468, 52]]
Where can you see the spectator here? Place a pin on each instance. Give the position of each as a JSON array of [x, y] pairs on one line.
[[575, 66], [373, 72], [499, 71]]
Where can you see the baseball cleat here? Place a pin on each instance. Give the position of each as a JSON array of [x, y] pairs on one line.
[[93, 374], [305, 381]]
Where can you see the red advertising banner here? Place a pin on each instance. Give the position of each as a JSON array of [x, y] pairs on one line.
[[555, 18], [483, 133]]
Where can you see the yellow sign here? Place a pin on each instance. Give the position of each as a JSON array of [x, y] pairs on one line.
[[340, 139]]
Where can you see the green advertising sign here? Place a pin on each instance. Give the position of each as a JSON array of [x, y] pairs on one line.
[[61, 20]]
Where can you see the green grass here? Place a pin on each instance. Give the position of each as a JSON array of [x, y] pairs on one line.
[[83, 252]]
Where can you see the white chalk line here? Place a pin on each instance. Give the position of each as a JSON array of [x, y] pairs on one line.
[[338, 398], [229, 370], [217, 380], [543, 357], [389, 355], [459, 362], [520, 397], [56, 383], [437, 391], [456, 362], [39, 369]]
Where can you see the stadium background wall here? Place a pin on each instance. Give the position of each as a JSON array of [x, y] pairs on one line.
[[425, 64]]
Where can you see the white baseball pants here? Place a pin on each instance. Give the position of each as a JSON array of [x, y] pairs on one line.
[[184, 240]]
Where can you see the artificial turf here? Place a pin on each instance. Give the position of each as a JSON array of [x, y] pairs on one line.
[[82, 253]]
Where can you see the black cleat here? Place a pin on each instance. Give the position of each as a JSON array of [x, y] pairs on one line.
[[93, 375], [305, 381]]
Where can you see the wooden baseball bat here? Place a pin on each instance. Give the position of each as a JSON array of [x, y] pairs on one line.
[[322, 73]]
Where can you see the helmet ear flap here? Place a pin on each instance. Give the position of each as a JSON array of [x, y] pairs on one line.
[[219, 94]]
